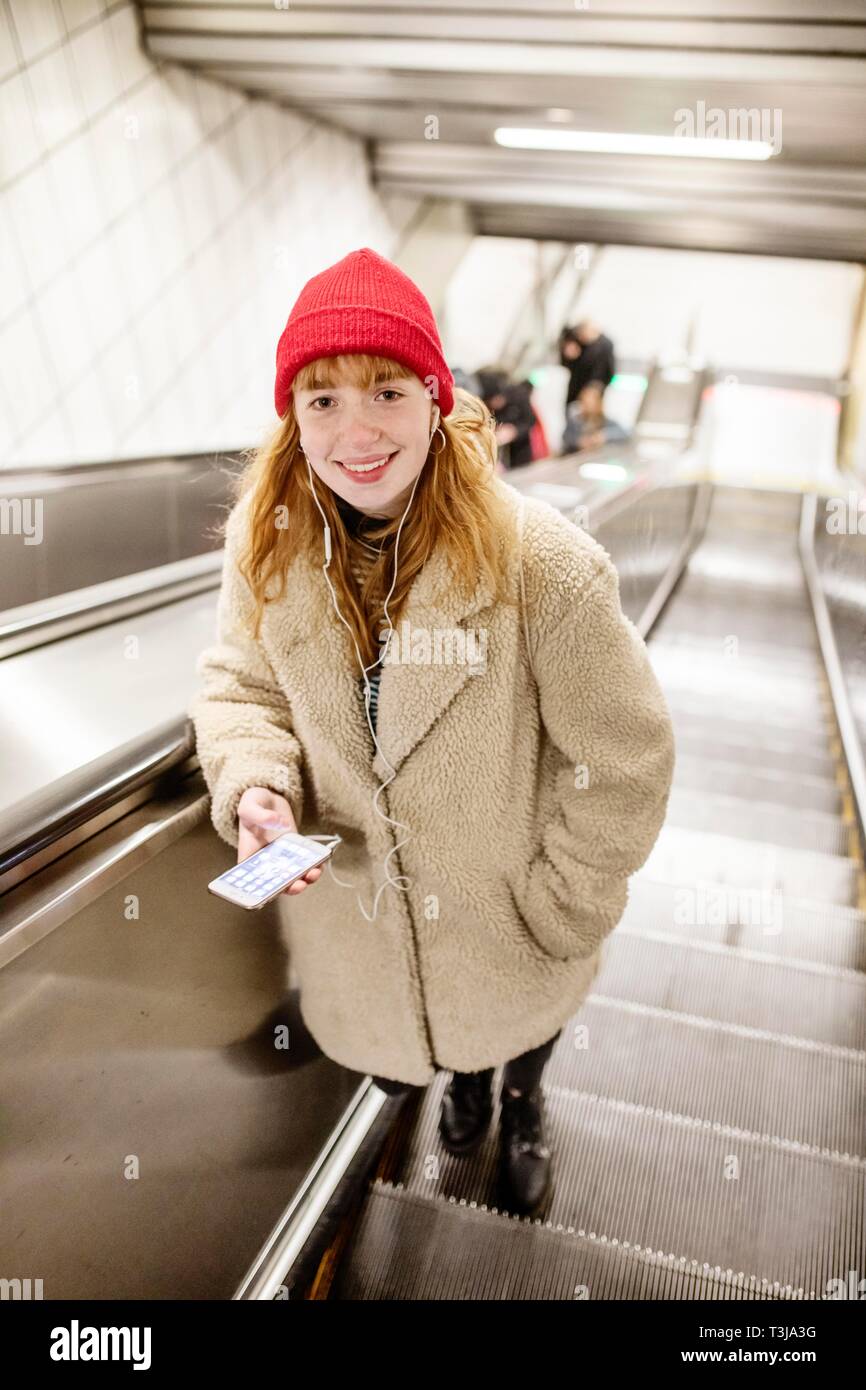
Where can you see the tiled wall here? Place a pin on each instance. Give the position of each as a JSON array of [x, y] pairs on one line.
[[156, 228]]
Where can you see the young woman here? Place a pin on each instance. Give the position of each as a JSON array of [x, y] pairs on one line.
[[414, 658]]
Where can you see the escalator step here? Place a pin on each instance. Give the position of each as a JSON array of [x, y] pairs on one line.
[[685, 856], [788, 664], [767, 722], [410, 1247], [785, 787], [808, 1093], [826, 933], [736, 678], [741, 743], [816, 1004], [774, 630], [696, 1191], [749, 820]]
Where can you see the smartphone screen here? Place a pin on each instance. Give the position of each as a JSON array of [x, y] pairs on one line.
[[264, 874]]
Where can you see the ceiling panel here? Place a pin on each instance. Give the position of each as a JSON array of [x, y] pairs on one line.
[[394, 74]]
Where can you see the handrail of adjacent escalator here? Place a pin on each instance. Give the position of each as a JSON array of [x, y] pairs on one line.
[[32, 825], [15, 472], [80, 610], [848, 732]]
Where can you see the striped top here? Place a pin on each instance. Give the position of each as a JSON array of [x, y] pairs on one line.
[[362, 562], [373, 677]]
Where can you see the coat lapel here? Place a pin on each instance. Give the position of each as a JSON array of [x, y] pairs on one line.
[[438, 645], [441, 643]]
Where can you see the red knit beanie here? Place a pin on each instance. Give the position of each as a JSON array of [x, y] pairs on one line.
[[363, 304]]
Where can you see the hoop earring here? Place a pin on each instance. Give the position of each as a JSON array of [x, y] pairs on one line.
[[437, 452]]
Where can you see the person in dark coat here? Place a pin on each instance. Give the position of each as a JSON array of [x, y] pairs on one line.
[[510, 402], [588, 354]]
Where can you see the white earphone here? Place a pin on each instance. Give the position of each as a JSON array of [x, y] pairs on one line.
[[337, 839]]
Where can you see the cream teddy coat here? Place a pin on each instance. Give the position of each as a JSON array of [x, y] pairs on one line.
[[527, 805]]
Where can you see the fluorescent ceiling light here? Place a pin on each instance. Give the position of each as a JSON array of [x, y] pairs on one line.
[[605, 142]]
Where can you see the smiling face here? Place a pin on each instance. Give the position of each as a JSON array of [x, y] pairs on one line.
[[346, 428]]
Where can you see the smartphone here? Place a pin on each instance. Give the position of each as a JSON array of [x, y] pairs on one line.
[[264, 874]]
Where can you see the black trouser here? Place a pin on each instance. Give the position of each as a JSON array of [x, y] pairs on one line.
[[522, 1073]]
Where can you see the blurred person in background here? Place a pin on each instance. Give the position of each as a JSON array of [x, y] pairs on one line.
[[587, 426], [517, 423], [467, 381], [588, 355]]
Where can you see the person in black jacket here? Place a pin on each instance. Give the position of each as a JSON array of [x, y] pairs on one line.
[[588, 355], [510, 403]]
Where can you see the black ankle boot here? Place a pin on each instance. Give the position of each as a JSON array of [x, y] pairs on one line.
[[525, 1159], [467, 1106]]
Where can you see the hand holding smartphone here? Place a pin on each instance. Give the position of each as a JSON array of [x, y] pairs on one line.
[[270, 870], [264, 819]]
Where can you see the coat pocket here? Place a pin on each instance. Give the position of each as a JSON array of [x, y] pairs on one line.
[[564, 930], [535, 920], [533, 945]]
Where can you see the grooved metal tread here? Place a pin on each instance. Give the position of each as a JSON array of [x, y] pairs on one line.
[[686, 856], [756, 820], [740, 679], [727, 721], [777, 571], [720, 711], [789, 998], [797, 928], [756, 751], [738, 745], [782, 786], [406, 1244], [791, 664], [753, 698], [809, 1093], [791, 631], [791, 598]]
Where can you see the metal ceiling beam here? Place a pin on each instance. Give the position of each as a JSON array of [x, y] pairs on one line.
[[380, 70]]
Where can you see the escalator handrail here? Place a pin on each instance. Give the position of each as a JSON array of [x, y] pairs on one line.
[[848, 733], [38, 821], [95, 605], [81, 467]]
